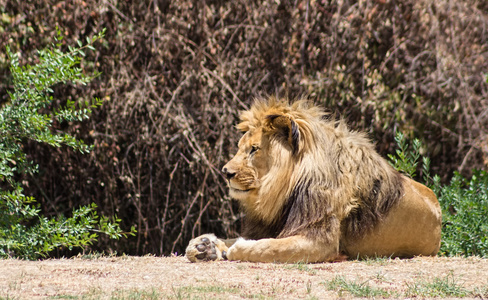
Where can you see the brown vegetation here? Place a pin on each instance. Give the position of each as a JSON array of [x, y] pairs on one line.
[[175, 74]]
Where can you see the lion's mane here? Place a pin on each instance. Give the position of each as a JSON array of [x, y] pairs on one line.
[[323, 175]]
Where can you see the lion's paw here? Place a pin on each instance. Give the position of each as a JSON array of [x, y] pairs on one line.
[[205, 248]]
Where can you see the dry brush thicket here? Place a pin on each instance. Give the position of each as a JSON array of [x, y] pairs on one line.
[[176, 73]]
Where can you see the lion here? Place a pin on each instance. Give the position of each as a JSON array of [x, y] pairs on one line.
[[315, 191]]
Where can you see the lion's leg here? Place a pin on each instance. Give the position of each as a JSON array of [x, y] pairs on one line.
[[285, 250], [206, 247]]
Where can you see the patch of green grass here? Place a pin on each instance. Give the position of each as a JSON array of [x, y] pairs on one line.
[[309, 287], [445, 286], [135, 294], [129, 294], [7, 298], [356, 289], [256, 296], [376, 261], [197, 292], [93, 293], [439, 287], [211, 289], [480, 292], [95, 255]]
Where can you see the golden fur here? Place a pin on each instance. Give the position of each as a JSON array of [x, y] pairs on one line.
[[313, 190]]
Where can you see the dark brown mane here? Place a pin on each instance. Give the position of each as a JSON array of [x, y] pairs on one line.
[[372, 208], [308, 214]]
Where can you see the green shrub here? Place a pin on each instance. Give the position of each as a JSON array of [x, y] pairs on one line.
[[464, 203], [27, 116], [406, 161], [465, 215]]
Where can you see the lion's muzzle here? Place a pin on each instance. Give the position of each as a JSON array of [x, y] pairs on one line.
[[228, 173]]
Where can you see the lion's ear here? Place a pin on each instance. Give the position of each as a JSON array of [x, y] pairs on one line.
[[286, 127]]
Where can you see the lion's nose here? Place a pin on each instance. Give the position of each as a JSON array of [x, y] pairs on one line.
[[229, 174]]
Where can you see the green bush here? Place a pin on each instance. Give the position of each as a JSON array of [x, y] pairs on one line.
[[465, 215], [24, 233], [406, 161], [464, 203]]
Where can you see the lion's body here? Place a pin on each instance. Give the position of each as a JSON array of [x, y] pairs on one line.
[[412, 227], [313, 190]]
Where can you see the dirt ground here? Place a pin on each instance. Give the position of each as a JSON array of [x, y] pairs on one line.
[[152, 277]]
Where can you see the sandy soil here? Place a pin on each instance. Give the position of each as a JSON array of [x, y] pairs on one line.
[[175, 278]]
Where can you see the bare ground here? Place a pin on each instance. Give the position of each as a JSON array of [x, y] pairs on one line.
[[152, 277]]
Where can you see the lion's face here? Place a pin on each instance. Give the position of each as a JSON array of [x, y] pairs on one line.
[[251, 163], [262, 167]]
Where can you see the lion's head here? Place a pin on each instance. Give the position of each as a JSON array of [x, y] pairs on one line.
[[266, 158], [297, 169]]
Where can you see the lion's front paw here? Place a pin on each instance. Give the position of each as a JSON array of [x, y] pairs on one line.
[[205, 248]]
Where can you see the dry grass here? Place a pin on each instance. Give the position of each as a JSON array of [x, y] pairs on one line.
[[175, 278]]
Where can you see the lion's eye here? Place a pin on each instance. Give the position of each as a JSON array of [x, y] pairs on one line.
[[254, 148]]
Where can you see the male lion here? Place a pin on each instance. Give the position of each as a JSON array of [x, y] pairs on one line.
[[315, 191]]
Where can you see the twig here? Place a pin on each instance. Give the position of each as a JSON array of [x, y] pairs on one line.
[[166, 205], [303, 50], [228, 88], [173, 97], [185, 219]]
